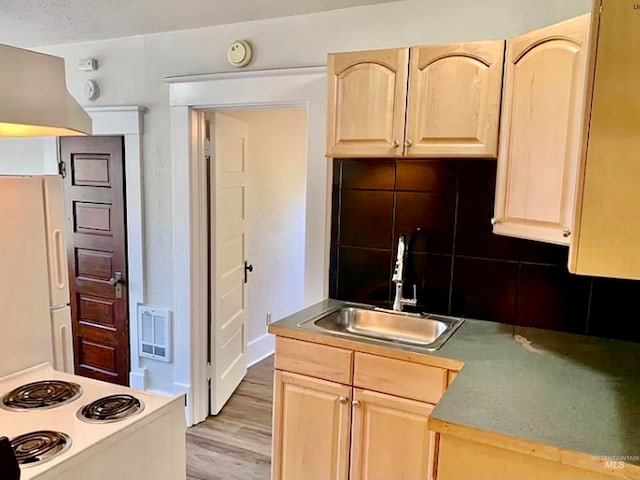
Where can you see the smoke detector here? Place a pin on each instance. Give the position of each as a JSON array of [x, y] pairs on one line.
[[240, 53]]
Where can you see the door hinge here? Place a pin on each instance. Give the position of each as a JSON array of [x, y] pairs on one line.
[[207, 148], [209, 372], [62, 169]]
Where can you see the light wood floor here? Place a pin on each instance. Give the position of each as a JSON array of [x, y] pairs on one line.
[[236, 444]]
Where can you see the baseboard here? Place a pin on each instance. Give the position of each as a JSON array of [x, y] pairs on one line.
[[260, 348]]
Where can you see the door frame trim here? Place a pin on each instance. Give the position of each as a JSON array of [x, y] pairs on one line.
[[126, 121], [189, 97]]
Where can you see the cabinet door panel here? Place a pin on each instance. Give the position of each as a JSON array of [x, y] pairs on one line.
[[607, 237], [390, 439], [367, 103], [454, 100], [311, 428], [540, 142]]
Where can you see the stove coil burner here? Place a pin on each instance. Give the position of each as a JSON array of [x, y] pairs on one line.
[[41, 395], [36, 448], [111, 409]]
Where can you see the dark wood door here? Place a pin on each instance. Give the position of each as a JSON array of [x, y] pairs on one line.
[[96, 242]]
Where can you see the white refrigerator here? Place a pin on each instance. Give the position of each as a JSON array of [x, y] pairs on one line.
[[35, 316]]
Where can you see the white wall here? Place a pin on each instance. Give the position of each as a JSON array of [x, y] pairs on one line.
[[28, 156], [131, 72], [276, 194]]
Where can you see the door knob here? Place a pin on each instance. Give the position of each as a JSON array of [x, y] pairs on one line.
[[117, 282], [566, 232], [408, 143], [495, 221], [247, 269], [395, 144], [343, 399], [355, 403]]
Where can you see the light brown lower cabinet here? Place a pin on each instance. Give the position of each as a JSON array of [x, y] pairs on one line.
[[321, 427], [311, 428], [389, 438]]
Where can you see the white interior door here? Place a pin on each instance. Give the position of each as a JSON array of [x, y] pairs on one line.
[[228, 254]]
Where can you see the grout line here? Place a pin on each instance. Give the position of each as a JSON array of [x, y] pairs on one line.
[[486, 259], [371, 249], [517, 295], [542, 264], [454, 239], [588, 323], [393, 228], [338, 230], [355, 189]]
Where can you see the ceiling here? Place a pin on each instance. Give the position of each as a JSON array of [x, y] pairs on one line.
[[32, 23]]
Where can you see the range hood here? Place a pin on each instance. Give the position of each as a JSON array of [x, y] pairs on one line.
[[34, 101]]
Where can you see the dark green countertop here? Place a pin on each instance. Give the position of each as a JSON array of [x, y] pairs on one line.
[[570, 391]]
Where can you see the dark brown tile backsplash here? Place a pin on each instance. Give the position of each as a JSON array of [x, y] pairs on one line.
[[366, 218], [458, 265]]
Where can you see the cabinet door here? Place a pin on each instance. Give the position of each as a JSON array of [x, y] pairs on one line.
[[542, 115], [390, 439], [311, 419], [607, 236], [454, 100], [367, 103]]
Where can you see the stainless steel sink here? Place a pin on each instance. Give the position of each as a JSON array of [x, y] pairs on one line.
[[420, 330]]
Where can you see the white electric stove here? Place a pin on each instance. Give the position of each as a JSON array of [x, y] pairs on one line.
[[129, 434], [63, 426]]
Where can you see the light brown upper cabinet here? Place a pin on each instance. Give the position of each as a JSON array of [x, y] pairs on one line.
[[436, 101], [454, 100], [542, 112], [367, 103], [607, 228]]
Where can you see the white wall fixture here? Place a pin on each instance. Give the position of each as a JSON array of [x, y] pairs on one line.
[[34, 101], [240, 53], [154, 332], [88, 65], [91, 90]]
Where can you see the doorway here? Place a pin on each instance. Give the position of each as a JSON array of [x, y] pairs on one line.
[[189, 97], [257, 189], [94, 190]]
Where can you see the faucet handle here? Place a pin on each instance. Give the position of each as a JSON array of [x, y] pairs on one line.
[[412, 302]]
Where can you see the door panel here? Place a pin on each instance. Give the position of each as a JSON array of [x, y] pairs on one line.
[[228, 236], [96, 245], [367, 103], [311, 428], [607, 222], [542, 121], [390, 438], [454, 100]]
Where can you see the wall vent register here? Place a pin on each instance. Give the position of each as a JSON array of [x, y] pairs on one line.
[[154, 333]]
